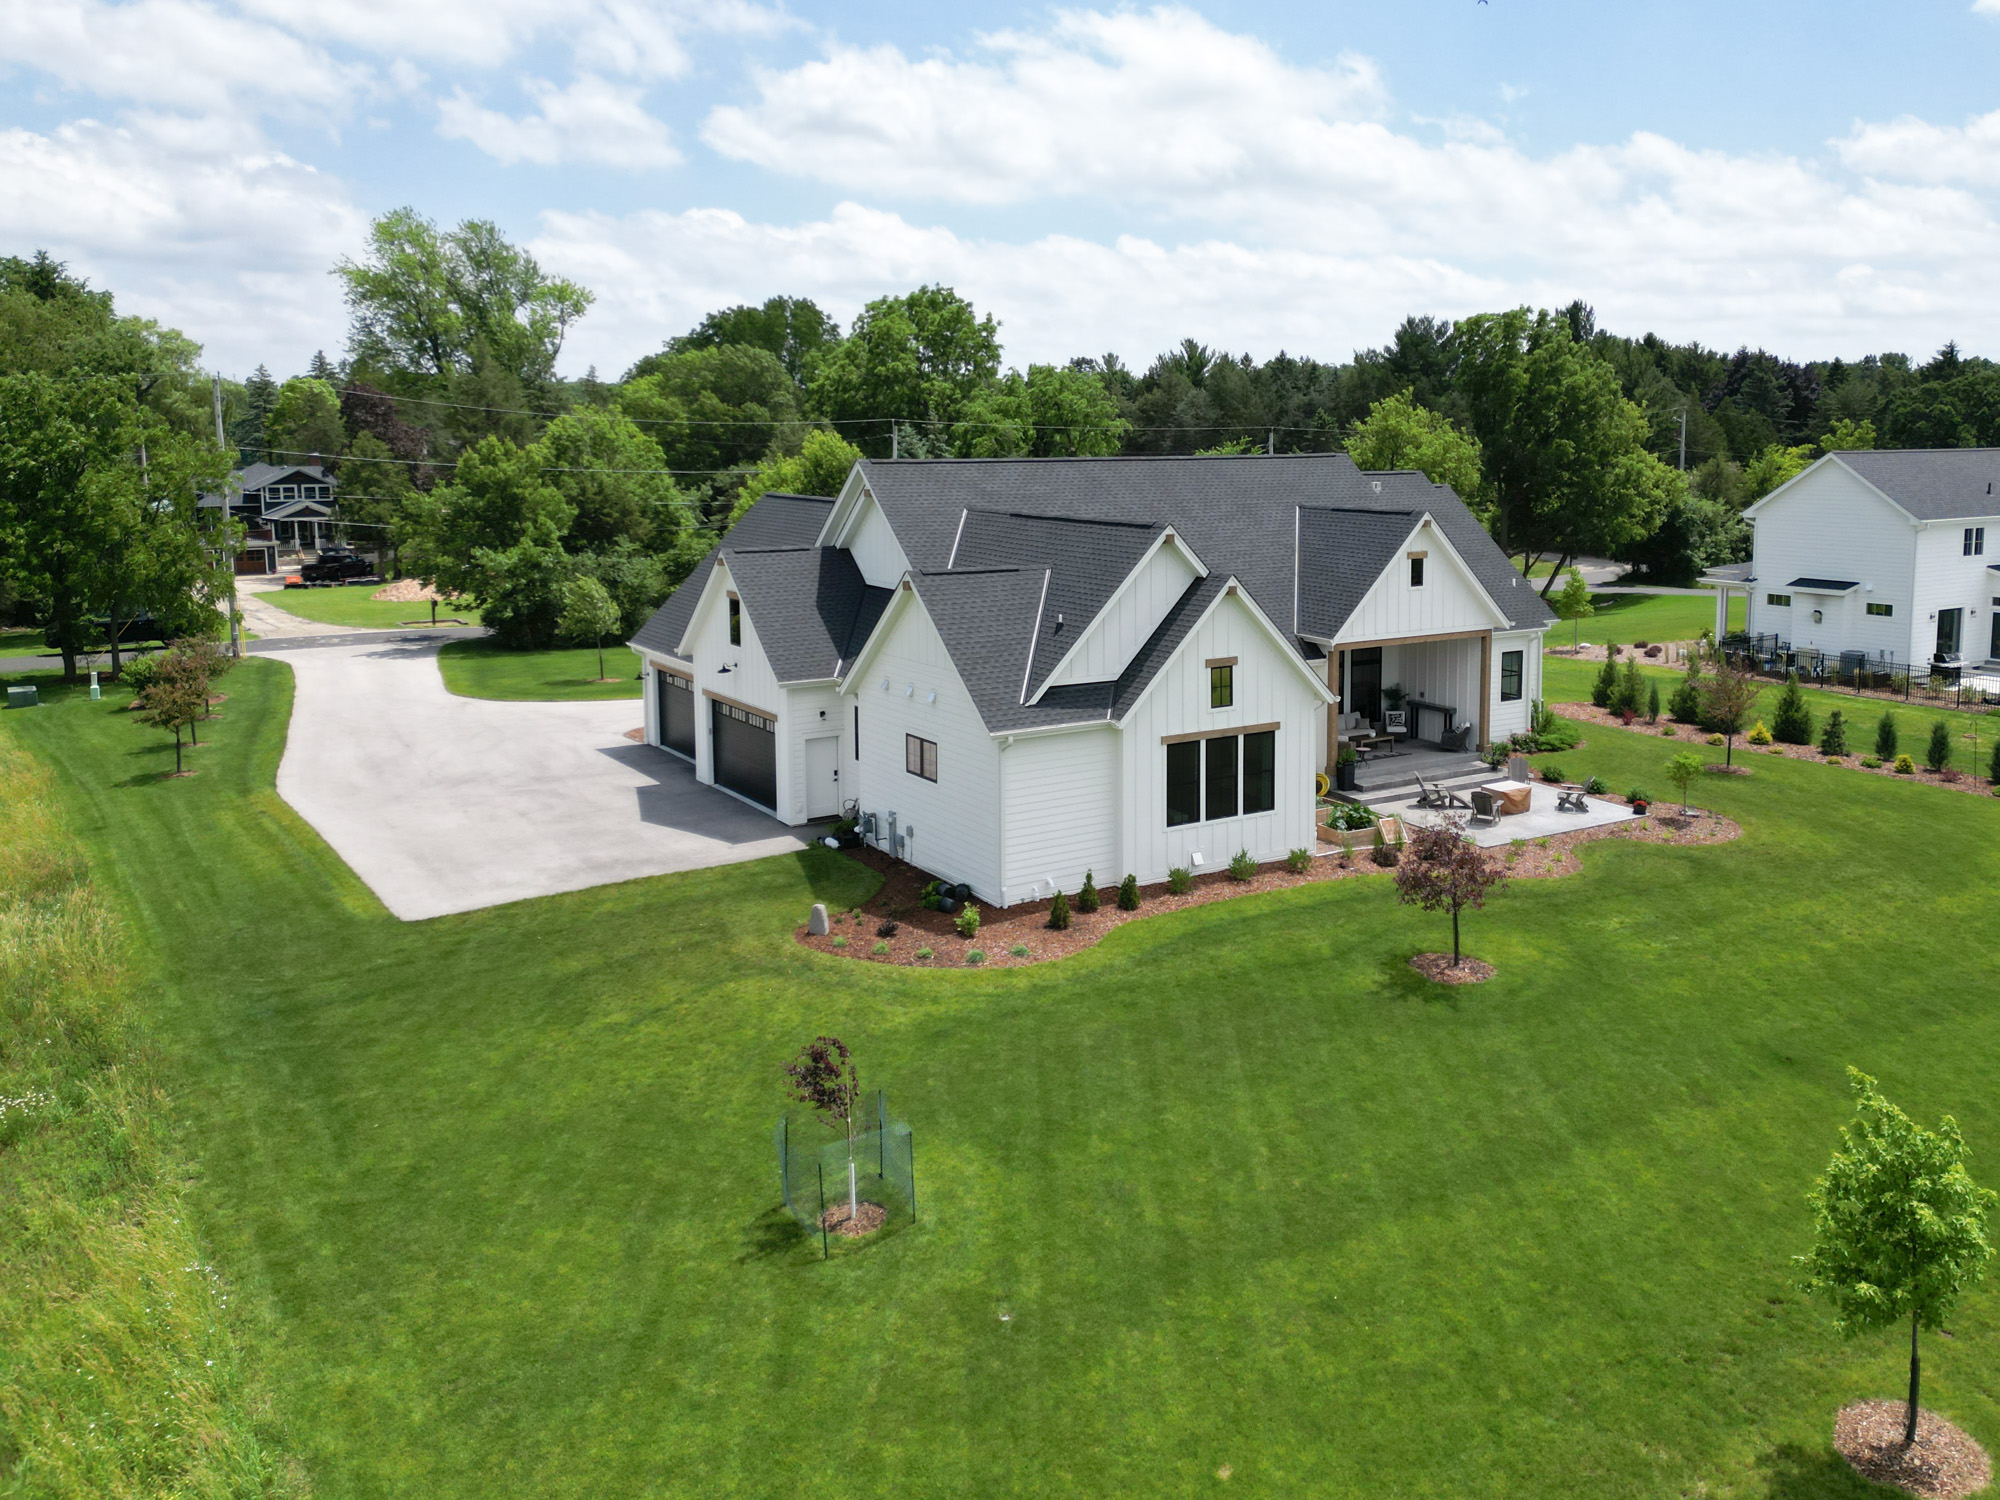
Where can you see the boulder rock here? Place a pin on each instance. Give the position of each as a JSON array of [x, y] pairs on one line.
[[817, 924]]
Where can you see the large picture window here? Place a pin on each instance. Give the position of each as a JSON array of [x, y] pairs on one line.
[[1219, 776], [1510, 676], [920, 757], [1183, 783], [1260, 771]]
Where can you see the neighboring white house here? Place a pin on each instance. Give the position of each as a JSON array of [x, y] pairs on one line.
[[1027, 669], [1883, 553]]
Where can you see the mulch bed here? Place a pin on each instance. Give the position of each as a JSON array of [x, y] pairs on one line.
[[1438, 968], [1943, 1464], [1589, 713], [1664, 653], [871, 1218], [857, 931]]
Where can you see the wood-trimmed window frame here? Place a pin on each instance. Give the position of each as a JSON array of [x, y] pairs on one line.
[[1222, 682], [1416, 561]]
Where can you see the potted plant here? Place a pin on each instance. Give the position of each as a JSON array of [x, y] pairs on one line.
[[1343, 770], [1640, 802]]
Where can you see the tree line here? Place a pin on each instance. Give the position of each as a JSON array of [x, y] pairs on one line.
[[464, 457]]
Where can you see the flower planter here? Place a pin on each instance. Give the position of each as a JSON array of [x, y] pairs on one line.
[[1362, 838]]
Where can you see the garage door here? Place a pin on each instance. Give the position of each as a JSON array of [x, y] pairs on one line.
[[676, 697], [746, 752]]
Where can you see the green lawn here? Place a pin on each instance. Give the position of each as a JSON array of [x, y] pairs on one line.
[[1973, 731], [1626, 618], [1251, 1193], [350, 605], [484, 669]]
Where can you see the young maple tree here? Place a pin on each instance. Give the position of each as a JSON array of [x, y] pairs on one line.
[[1901, 1225], [825, 1079], [176, 700], [1728, 693], [1441, 871]]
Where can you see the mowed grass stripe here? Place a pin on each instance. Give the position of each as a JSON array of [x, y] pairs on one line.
[[1252, 1192]]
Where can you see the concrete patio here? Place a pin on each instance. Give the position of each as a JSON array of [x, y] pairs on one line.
[[1539, 821]]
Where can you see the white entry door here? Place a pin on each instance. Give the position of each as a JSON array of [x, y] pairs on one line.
[[823, 777]]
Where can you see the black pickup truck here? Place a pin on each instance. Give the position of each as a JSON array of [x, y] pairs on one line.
[[337, 565]]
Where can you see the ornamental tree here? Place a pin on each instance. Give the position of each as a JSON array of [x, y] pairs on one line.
[[1572, 602], [826, 1080], [177, 698], [1728, 693], [588, 615], [1900, 1225], [1682, 771], [1442, 871]]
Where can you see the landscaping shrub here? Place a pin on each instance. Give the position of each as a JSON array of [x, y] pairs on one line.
[[1597, 786], [1180, 880], [967, 920], [1631, 695], [1684, 703], [926, 953], [1128, 893], [1716, 740], [931, 898], [1758, 734], [1652, 703], [1298, 861], [975, 957], [1833, 738], [1792, 723], [1552, 773], [1905, 766], [1638, 794], [1937, 754], [1059, 913], [1087, 899], [1605, 689], [1242, 866], [880, 948], [140, 673], [1872, 762], [840, 942], [1667, 732], [888, 929], [1993, 769], [1019, 950], [1885, 736]]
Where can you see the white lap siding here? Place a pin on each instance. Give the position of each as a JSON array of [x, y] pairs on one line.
[[1061, 811], [1512, 718], [1831, 524], [957, 817], [1268, 690]]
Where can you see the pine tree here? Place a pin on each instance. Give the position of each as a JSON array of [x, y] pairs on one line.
[[1653, 703], [1605, 689], [1059, 913], [1685, 704], [1087, 899], [1128, 890], [1833, 740], [1937, 755], [1792, 723], [1885, 737]]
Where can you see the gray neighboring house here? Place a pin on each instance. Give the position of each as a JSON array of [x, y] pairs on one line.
[[1034, 668], [281, 507]]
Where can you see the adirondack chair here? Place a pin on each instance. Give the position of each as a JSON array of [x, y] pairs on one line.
[[1437, 796], [1485, 808]]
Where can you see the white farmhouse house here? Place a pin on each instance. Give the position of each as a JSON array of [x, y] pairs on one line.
[[1881, 553], [1030, 668]]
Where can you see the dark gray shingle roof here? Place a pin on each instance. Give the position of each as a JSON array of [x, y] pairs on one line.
[[774, 521], [1342, 552], [810, 607], [1933, 484]]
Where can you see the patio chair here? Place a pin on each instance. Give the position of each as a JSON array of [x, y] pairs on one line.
[[1485, 808], [1456, 740], [1437, 796], [1571, 799], [1518, 768]]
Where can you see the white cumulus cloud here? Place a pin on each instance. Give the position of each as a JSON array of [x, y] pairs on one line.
[[1914, 150], [592, 120]]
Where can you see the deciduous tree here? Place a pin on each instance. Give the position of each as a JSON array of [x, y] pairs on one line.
[[588, 615], [826, 1080], [1728, 694], [1442, 871], [1397, 433]]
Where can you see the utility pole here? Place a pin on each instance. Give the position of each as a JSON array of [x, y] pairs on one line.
[[895, 439], [1684, 437], [235, 626], [1271, 442]]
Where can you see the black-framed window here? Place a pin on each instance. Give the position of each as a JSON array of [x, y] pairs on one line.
[[920, 757], [1260, 771], [1183, 783], [1778, 601], [857, 731], [1947, 635], [735, 622], [1222, 686], [1416, 572], [1220, 765], [1510, 675], [1975, 541], [1884, 610]]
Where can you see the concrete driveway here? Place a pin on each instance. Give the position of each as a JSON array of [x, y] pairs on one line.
[[444, 804]]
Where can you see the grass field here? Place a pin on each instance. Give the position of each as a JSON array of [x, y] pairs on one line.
[[1973, 731], [484, 669], [352, 606], [1251, 1193], [1626, 618]]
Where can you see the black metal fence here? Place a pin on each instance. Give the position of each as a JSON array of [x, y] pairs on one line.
[[1863, 673], [817, 1174]]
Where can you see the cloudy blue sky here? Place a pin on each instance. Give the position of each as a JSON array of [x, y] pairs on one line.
[[1823, 179]]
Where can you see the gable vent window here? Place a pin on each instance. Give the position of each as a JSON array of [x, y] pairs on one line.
[[1222, 685], [1416, 570], [1778, 601], [920, 757], [735, 622], [1975, 541]]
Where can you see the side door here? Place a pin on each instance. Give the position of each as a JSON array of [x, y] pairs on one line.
[[823, 776]]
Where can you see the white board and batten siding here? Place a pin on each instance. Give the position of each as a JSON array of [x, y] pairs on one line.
[[749, 681], [1130, 619], [1269, 689], [1062, 802], [957, 817], [1510, 718], [873, 543], [813, 713], [1830, 523], [1449, 599]]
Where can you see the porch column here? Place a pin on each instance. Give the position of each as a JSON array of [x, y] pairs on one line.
[[1333, 681], [1485, 686], [1721, 611]]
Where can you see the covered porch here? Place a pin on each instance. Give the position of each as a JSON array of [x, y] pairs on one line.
[[1410, 696]]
